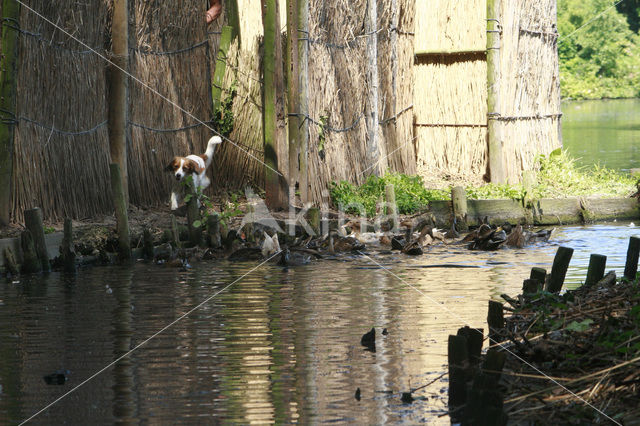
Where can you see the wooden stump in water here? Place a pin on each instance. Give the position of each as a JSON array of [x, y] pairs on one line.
[[33, 222], [193, 217], [122, 218], [313, 217], [597, 265], [10, 262], [539, 274], [30, 262], [559, 269], [495, 319], [458, 357], [213, 231], [474, 338], [631, 266], [459, 203], [147, 244]]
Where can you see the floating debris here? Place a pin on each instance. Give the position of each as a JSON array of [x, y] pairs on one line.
[[357, 395], [369, 340]]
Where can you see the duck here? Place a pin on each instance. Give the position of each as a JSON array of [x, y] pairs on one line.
[[339, 243], [288, 258], [270, 245]]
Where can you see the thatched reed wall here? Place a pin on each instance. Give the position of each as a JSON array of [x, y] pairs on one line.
[[171, 56], [530, 84], [61, 85], [451, 94]]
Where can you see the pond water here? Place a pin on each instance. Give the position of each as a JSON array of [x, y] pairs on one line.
[[279, 345], [603, 131]]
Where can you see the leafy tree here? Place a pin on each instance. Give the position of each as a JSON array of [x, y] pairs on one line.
[[598, 59]]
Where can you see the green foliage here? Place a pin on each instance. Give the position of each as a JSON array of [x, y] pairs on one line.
[[560, 177], [601, 59], [49, 229], [223, 119], [411, 195]]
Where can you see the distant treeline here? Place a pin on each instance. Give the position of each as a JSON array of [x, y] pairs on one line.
[[601, 60]]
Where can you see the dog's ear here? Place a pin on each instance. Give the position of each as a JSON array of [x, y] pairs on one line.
[[190, 166], [171, 166]]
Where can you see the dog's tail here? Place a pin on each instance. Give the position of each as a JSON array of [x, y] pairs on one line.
[[211, 147]]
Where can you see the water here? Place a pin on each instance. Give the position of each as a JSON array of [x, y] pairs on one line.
[[604, 131], [279, 346]]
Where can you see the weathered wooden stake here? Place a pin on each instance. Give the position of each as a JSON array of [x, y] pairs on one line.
[[293, 98], [10, 262], [495, 319], [458, 357], [459, 203], [474, 338], [147, 244], [33, 222], [539, 274], [391, 206], [117, 81], [531, 286], [494, 127], [529, 182], [313, 217], [631, 266], [597, 265], [213, 231], [372, 145], [193, 216], [67, 251], [273, 89], [8, 85], [303, 98], [559, 269], [494, 362], [30, 262], [122, 218], [174, 232], [221, 65]]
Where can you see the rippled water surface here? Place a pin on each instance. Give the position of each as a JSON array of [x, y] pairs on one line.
[[278, 346]]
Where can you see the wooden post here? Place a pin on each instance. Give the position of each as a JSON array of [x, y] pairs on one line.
[[495, 319], [373, 149], [147, 244], [293, 97], [122, 219], [631, 266], [213, 231], [474, 338], [313, 217], [66, 249], [10, 262], [539, 274], [175, 235], [33, 222], [494, 128], [273, 88], [8, 85], [597, 265], [193, 216], [559, 269], [221, 65], [232, 14], [458, 357], [530, 287], [303, 98], [30, 262], [459, 202], [117, 81]]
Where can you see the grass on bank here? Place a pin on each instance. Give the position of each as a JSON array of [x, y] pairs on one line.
[[557, 174]]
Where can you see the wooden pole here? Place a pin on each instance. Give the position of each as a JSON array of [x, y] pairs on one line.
[[391, 207], [193, 216], [539, 274], [303, 98], [221, 65], [458, 357], [122, 219], [293, 100], [495, 319], [213, 231], [33, 222], [494, 129], [597, 265], [233, 19], [275, 185], [631, 266], [30, 262], [117, 81], [559, 269], [371, 28], [459, 201], [8, 87]]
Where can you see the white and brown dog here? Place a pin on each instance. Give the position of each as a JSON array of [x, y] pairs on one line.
[[194, 165]]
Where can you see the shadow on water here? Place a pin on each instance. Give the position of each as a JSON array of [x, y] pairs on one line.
[[281, 345]]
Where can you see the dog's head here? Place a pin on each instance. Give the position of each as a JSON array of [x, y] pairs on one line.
[[182, 167]]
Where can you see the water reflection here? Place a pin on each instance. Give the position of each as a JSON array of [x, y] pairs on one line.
[[280, 346]]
